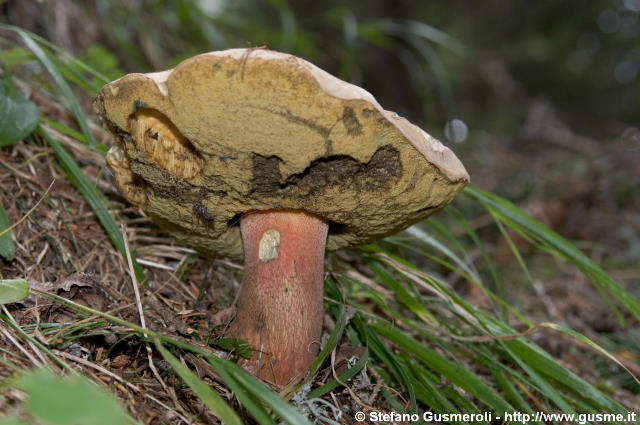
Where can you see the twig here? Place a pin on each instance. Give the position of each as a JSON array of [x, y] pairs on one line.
[[35, 350], [20, 347], [376, 388], [143, 324], [24, 217], [351, 393], [155, 265]]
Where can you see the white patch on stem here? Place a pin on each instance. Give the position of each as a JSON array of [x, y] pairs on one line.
[[269, 243]]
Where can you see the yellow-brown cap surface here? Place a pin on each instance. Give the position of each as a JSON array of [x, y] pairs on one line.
[[232, 132]]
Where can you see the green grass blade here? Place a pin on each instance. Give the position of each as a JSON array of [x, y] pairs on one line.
[[512, 393], [382, 353], [554, 243], [590, 343], [421, 43], [543, 364], [257, 389], [7, 247], [543, 368], [454, 372], [12, 55], [514, 249], [532, 368], [434, 243], [62, 84], [93, 198], [69, 132], [408, 299], [459, 400], [288, 23], [73, 75], [55, 49], [452, 240], [493, 271], [332, 342], [428, 392], [35, 342], [344, 377], [209, 397], [253, 407], [421, 30]]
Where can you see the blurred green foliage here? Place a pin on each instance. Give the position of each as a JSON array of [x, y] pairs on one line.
[[18, 115], [63, 401], [481, 62]]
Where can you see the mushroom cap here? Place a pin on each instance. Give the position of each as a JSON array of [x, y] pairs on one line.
[[232, 132]]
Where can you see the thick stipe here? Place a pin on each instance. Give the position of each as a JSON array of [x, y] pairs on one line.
[[280, 304]]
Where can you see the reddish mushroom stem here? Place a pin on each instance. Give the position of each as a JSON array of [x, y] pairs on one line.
[[280, 304]]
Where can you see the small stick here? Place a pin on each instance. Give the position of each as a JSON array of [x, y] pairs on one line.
[[24, 217], [143, 324], [20, 347]]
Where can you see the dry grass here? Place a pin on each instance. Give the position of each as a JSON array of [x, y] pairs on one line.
[[61, 247]]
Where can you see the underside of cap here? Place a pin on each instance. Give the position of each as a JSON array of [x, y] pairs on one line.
[[243, 130]]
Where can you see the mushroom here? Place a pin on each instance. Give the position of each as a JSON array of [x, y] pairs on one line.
[[256, 154]]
